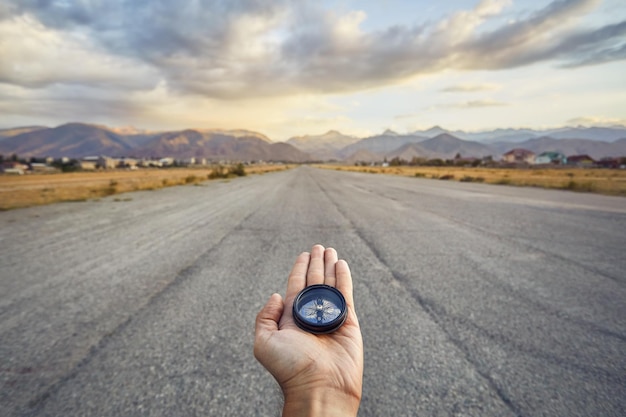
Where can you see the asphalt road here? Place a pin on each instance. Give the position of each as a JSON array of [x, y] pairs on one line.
[[474, 300]]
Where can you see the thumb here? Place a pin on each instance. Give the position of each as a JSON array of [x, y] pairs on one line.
[[268, 317], [266, 325]]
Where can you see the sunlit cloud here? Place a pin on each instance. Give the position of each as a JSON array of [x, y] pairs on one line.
[[471, 104], [35, 56], [470, 88], [597, 121]]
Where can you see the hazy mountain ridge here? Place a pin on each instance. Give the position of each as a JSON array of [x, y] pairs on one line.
[[382, 144], [393, 145], [215, 145], [77, 140], [323, 147], [72, 140], [447, 146], [14, 131], [603, 134]]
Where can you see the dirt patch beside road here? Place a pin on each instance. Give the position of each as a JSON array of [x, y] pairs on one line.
[[38, 189], [601, 181]]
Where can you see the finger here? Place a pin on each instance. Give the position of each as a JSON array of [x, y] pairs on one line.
[[315, 274], [344, 282], [297, 280], [330, 261], [267, 322]]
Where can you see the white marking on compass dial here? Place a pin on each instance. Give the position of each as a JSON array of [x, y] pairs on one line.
[[320, 311]]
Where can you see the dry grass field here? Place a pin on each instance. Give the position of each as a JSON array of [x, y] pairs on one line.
[[602, 181], [36, 189]]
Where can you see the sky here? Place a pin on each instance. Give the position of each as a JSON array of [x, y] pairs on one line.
[[288, 68]]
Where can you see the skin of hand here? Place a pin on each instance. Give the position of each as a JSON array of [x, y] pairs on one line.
[[319, 374]]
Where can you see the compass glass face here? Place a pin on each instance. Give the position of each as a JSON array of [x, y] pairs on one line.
[[319, 309]]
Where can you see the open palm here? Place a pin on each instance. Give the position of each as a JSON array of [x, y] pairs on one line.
[[302, 362]]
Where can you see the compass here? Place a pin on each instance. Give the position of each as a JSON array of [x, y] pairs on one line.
[[320, 309]]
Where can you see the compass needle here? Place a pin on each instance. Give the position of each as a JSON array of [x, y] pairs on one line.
[[319, 309]]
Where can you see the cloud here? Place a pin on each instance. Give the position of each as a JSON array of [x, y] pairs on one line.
[[261, 48], [471, 104], [406, 116], [591, 54], [35, 56], [599, 121], [484, 103], [18, 103], [469, 88]]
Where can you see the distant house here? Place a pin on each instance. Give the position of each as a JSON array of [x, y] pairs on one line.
[[88, 163], [130, 163], [41, 167], [166, 161], [106, 163], [147, 163], [608, 163], [555, 158], [13, 167], [519, 156], [580, 161]]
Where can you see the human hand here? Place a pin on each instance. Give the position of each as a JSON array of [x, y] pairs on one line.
[[319, 374]]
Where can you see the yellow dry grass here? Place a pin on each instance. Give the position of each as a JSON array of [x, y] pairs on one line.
[[36, 189], [602, 181]]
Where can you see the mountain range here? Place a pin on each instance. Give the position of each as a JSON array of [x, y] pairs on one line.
[[77, 140], [606, 134]]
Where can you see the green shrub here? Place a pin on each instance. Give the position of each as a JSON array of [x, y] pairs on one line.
[[109, 191], [238, 170], [578, 186], [218, 172], [447, 177], [468, 178]]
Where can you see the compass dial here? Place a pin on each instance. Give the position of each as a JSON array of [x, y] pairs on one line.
[[319, 309]]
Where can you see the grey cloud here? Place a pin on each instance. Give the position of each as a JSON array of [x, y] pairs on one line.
[[595, 47], [529, 30], [72, 103], [242, 48], [545, 35], [600, 57], [149, 28]]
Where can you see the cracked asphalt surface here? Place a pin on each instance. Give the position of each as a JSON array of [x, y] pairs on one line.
[[474, 300]]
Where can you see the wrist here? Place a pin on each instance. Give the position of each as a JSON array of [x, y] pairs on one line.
[[317, 402]]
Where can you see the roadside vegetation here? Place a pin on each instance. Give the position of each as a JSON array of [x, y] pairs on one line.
[[602, 181], [36, 189]]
